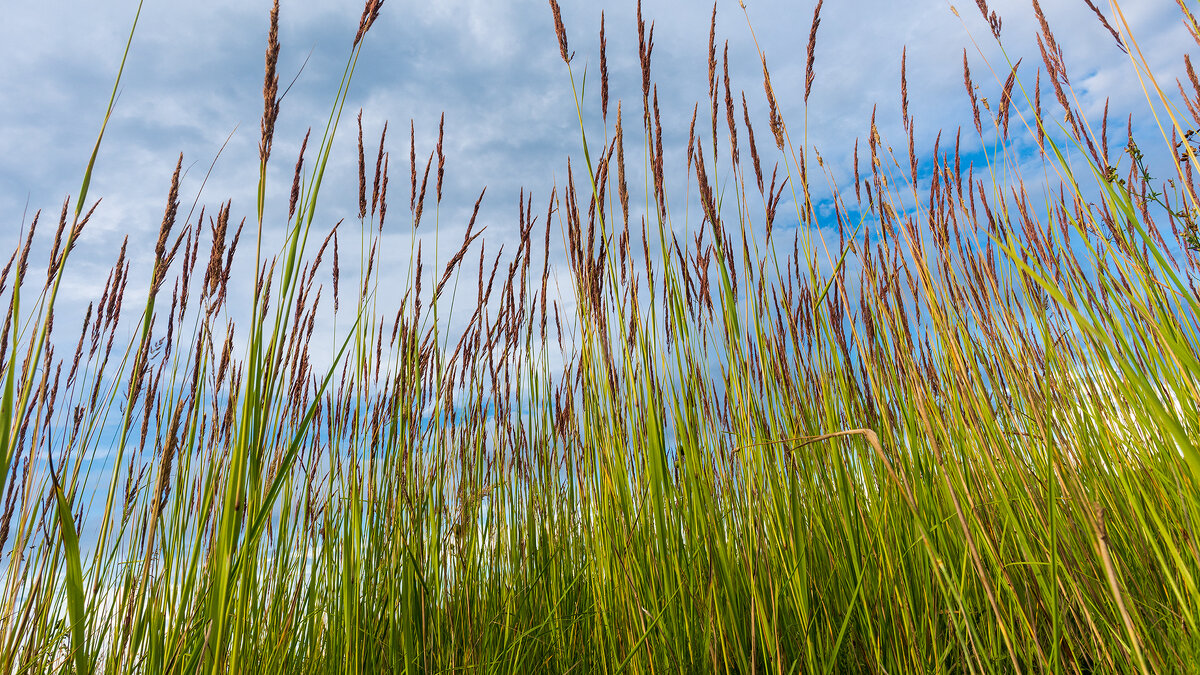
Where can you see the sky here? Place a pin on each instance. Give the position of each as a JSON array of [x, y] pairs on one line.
[[194, 80]]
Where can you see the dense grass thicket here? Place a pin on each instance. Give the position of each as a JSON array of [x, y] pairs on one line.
[[950, 428]]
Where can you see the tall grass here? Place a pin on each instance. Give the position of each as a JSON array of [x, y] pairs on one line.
[[961, 440]]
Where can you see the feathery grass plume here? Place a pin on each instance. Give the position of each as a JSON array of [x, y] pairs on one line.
[[905, 119], [603, 71], [660, 187], [421, 194], [1002, 114], [971, 93], [362, 172], [692, 137], [1107, 26], [758, 175], [12, 258], [909, 131], [23, 260], [9, 508], [57, 257], [412, 166], [706, 195], [1190, 100], [1056, 69], [383, 191], [294, 197], [1037, 111], [224, 285], [713, 87], [623, 189], [270, 89], [378, 168], [62, 225], [809, 74], [163, 258], [729, 119], [337, 270], [214, 269], [776, 121], [441, 165], [370, 14], [191, 254], [991, 17], [857, 179], [561, 32], [645, 51], [1189, 20]]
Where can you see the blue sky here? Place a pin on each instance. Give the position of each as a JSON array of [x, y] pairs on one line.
[[195, 74]]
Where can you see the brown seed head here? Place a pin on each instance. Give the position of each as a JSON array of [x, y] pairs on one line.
[[270, 89], [714, 89], [971, 93], [1037, 110], [623, 190], [1051, 43], [776, 120], [62, 225], [441, 167], [421, 196], [561, 32], [712, 54], [692, 136], [645, 50], [295, 196], [23, 261], [603, 71], [1006, 98], [370, 13], [383, 192], [362, 172], [812, 45], [729, 119], [659, 181], [162, 259], [212, 275], [337, 272], [753, 148], [412, 165], [378, 169]]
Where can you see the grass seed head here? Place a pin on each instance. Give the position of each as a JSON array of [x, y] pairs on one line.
[[561, 31], [369, 15], [270, 89], [775, 120], [811, 51]]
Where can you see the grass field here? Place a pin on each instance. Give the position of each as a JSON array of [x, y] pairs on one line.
[[951, 428]]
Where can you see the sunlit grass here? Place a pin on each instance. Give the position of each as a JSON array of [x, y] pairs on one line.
[[950, 429]]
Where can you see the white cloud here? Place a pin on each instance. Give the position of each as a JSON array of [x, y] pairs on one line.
[[194, 75]]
